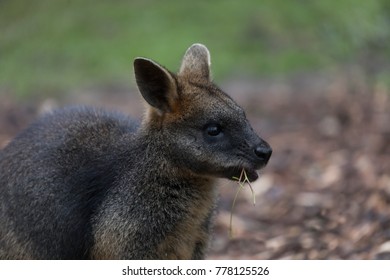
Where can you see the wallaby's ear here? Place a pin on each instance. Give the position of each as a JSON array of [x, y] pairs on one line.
[[196, 62], [156, 84]]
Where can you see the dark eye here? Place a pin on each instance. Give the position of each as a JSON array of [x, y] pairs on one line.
[[213, 129]]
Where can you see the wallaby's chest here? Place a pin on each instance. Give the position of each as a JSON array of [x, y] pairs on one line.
[[190, 236], [154, 224]]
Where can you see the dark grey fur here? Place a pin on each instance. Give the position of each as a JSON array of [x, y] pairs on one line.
[[83, 183]]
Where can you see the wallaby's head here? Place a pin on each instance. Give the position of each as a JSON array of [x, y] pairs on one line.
[[203, 129]]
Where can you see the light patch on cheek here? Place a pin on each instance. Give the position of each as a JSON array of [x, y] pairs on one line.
[[189, 142], [196, 147]]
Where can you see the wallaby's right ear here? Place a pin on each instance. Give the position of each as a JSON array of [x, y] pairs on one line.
[[196, 62], [156, 84]]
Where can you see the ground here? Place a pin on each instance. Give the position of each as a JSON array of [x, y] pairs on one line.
[[326, 191]]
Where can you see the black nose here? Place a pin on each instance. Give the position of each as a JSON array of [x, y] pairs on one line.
[[263, 151]]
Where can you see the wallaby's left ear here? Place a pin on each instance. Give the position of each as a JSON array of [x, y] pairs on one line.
[[156, 84], [196, 62]]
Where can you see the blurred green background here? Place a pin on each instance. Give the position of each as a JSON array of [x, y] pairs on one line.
[[52, 46]]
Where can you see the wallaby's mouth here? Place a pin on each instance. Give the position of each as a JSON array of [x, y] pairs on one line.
[[252, 175], [246, 170], [237, 173]]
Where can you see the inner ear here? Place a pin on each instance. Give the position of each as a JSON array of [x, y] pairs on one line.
[[156, 84], [196, 62]]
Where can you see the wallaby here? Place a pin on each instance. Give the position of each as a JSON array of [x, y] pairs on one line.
[[83, 183]]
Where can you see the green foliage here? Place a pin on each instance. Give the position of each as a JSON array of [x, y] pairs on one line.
[[53, 45]]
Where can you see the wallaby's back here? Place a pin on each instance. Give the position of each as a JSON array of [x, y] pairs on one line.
[[83, 183], [53, 176]]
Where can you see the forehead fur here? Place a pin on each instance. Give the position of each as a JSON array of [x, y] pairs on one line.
[[202, 98]]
